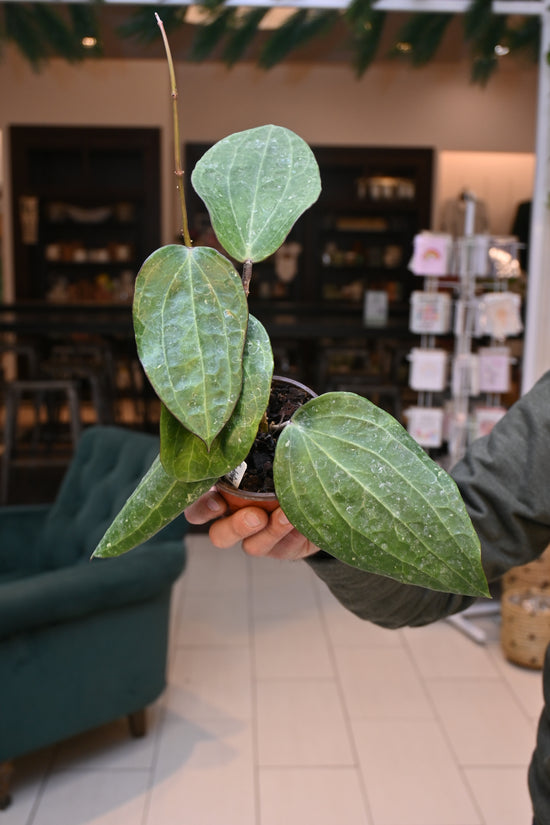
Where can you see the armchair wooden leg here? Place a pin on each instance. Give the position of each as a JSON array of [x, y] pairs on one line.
[[138, 723], [6, 774]]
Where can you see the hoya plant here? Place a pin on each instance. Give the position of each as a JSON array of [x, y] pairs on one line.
[[346, 473]]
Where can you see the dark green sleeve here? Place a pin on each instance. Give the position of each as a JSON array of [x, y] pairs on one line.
[[504, 481]]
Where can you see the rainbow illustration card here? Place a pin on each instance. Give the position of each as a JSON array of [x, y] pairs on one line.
[[431, 254]]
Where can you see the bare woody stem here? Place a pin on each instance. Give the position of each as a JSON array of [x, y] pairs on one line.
[[177, 153], [246, 276]]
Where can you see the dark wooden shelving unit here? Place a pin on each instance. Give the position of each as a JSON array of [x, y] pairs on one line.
[[86, 209]]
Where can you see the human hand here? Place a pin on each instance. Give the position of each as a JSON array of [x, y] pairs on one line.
[[261, 533]]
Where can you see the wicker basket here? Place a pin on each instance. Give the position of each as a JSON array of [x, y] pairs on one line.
[[525, 627], [534, 574]]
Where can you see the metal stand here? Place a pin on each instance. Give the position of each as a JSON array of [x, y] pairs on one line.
[[462, 621]]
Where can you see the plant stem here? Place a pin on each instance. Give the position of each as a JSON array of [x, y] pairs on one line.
[[177, 154], [264, 424], [246, 276], [277, 428]]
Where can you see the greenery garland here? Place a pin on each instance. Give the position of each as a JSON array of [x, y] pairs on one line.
[[41, 31]]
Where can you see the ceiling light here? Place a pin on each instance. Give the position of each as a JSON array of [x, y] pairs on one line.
[[89, 42], [197, 15], [276, 16], [273, 18]]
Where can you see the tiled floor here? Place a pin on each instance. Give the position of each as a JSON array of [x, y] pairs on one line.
[[283, 709]]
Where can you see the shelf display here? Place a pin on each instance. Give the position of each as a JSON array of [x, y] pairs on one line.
[[89, 251], [357, 237], [86, 205]]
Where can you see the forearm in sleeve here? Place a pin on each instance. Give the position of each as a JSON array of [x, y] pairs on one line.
[[504, 481]]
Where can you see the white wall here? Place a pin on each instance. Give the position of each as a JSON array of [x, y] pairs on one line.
[[501, 179], [391, 105]]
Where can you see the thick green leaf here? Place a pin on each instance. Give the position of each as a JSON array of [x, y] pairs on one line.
[[157, 500], [185, 456], [352, 480], [190, 319], [255, 185]]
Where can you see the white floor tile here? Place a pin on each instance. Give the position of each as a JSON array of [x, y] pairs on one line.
[[204, 774], [501, 795], [525, 684], [273, 573], [440, 650], [381, 683], [210, 683], [346, 629], [282, 591], [301, 722], [212, 569], [99, 797], [210, 618], [291, 649], [410, 775], [484, 723], [324, 796]]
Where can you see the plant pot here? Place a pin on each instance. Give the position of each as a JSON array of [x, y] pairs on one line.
[[238, 497]]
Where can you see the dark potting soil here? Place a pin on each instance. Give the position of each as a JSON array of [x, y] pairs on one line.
[[283, 403]]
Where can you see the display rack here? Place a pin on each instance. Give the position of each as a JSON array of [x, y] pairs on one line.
[[461, 368], [484, 267]]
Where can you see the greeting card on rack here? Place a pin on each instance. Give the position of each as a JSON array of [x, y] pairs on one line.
[[485, 419], [504, 257], [499, 315], [428, 372], [431, 254], [494, 369], [425, 425], [430, 312]]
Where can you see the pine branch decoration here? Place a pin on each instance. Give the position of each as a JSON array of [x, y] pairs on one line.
[[366, 26], [41, 30], [208, 36], [141, 26], [424, 32], [301, 28], [241, 38]]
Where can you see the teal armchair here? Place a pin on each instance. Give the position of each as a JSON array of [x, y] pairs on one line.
[[82, 642]]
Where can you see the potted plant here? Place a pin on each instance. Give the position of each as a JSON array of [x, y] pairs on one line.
[[345, 472]]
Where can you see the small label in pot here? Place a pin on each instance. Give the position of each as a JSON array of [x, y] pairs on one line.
[[235, 476]]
